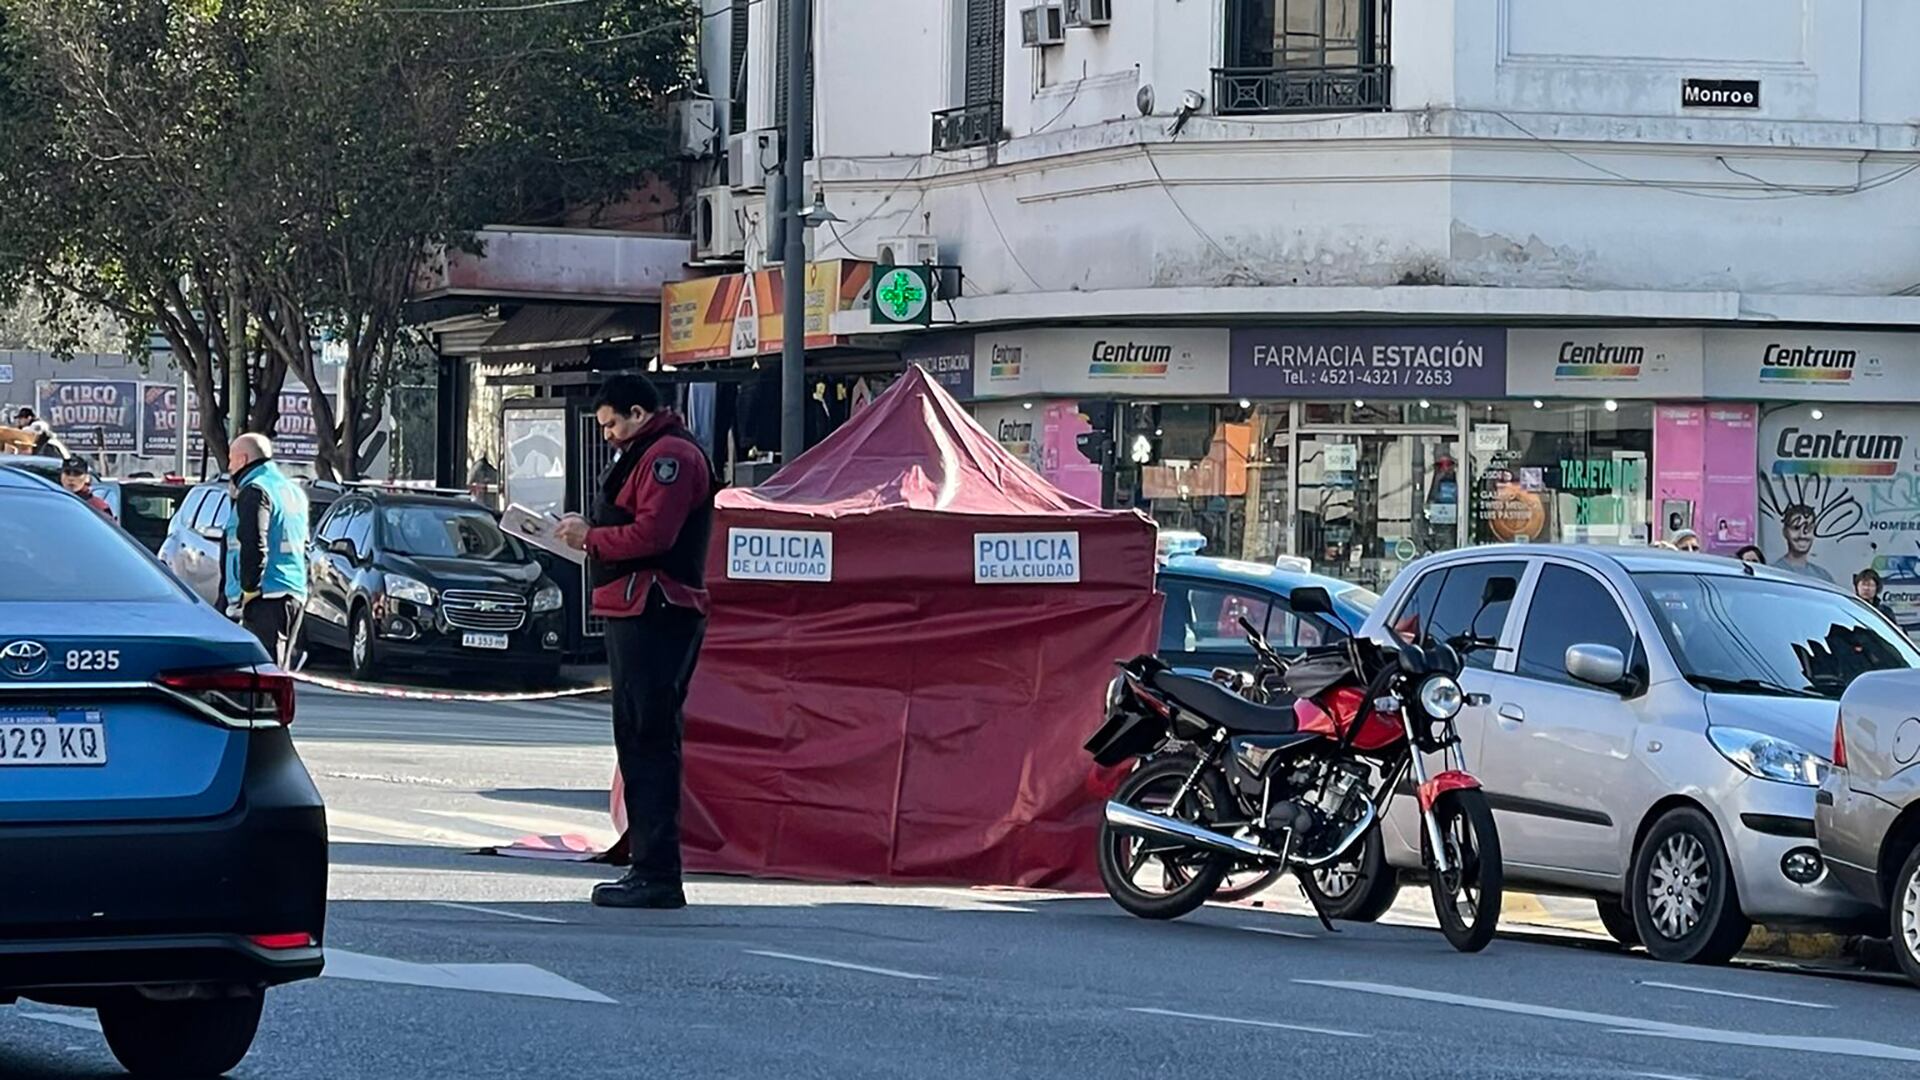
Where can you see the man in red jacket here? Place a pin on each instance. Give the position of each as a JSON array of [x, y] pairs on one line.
[[646, 543]]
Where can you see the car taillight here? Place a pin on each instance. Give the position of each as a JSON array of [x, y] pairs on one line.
[[279, 942], [250, 697], [1840, 740]]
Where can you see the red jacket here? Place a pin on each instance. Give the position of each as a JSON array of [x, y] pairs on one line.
[[671, 482]]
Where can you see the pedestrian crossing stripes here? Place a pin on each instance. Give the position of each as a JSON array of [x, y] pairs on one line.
[[463, 829]]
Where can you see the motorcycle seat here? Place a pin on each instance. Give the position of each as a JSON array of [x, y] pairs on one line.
[[1226, 708]]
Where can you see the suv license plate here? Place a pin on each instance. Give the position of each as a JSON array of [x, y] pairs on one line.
[[484, 641], [69, 737]]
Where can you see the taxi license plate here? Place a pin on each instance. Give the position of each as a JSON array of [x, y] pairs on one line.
[[69, 737], [484, 641]]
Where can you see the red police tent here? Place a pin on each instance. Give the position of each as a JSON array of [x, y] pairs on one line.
[[911, 636]]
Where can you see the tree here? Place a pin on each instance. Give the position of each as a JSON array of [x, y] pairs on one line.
[[248, 177]]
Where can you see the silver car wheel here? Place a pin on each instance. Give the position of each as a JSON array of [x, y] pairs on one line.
[[1338, 880], [1910, 915], [361, 646], [1677, 887]]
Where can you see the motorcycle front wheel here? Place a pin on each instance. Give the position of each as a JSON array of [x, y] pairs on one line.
[[1467, 897], [1155, 879]]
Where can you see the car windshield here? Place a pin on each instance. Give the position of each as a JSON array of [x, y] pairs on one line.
[[1751, 635], [448, 532], [55, 548]]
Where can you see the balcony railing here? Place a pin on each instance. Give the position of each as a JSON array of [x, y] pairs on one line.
[[1257, 91], [969, 125]]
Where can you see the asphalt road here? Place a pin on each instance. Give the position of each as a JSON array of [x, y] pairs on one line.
[[444, 963]]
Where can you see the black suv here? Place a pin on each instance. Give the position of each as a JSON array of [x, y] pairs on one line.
[[398, 579]]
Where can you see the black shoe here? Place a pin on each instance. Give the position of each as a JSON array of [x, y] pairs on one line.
[[631, 892]]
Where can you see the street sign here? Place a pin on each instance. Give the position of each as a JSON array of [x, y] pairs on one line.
[[903, 296]]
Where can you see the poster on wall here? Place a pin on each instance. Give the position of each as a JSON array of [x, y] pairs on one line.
[[1099, 361], [1704, 482], [1626, 363], [1047, 438], [160, 419], [92, 415], [1840, 495]]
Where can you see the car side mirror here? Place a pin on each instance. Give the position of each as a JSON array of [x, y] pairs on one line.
[[1498, 590], [1598, 665], [218, 536], [344, 548], [1310, 600]]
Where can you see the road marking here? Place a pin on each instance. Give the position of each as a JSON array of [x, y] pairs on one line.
[[1280, 933], [407, 831], [84, 1023], [520, 980], [496, 911], [1253, 1023], [1633, 1025], [1731, 994], [1664, 1076], [843, 965], [593, 827]]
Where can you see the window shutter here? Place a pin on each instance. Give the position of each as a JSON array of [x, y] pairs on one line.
[[986, 50], [780, 89], [737, 71]]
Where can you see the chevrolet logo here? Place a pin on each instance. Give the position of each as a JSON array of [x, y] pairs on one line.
[[486, 605]]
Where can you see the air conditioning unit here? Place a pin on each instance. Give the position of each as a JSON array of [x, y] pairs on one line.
[[1087, 14], [1042, 25], [908, 251], [696, 124], [751, 156], [718, 231], [755, 231]]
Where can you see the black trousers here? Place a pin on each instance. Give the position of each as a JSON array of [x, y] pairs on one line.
[[652, 657], [276, 622]]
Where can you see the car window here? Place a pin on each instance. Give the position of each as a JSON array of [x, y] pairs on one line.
[[215, 511], [1206, 618], [331, 525], [452, 531], [1736, 634], [1447, 606], [358, 527], [54, 548], [1570, 607], [188, 510]]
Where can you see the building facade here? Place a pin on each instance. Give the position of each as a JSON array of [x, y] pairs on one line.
[[1355, 280]]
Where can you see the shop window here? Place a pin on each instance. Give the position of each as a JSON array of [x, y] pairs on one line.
[[1562, 472], [1570, 607]]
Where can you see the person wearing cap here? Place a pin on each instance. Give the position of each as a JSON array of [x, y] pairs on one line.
[[1686, 540], [77, 478], [646, 542], [266, 566], [45, 442]]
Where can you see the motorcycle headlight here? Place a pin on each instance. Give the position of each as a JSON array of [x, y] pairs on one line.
[[1116, 692], [548, 599], [1769, 758], [1440, 697], [405, 588]]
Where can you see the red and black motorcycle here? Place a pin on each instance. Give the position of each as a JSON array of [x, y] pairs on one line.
[[1298, 783]]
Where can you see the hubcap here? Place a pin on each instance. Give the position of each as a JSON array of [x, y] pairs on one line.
[[1337, 881], [1462, 883], [360, 643], [1677, 887], [1910, 915]]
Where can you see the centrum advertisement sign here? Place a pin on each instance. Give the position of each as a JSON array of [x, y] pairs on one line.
[[1094, 362], [1051, 558], [92, 416], [1841, 495], [779, 555], [1789, 365], [1604, 363], [1372, 361]]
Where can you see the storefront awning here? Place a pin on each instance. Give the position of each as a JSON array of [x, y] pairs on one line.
[[564, 333]]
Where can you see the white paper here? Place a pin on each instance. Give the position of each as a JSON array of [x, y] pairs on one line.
[[539, 530]]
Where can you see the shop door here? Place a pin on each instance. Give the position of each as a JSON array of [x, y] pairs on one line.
[[1370, 502]]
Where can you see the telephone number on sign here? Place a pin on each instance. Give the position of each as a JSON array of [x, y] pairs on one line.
[[1379, 377]]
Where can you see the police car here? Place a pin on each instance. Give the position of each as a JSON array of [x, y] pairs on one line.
[[167, 849]]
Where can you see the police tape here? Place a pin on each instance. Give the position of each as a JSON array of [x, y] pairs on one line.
[[346, 686]]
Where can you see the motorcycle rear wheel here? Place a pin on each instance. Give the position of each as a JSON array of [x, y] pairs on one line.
[[1152, 879], [1466, 899]]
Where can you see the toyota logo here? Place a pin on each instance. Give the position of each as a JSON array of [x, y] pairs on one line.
[[23, 659]]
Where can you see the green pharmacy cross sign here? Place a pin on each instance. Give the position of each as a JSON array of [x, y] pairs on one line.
[[903, 296]]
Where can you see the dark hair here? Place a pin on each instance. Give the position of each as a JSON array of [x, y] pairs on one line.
[[1797, 510], [625, 393], [1759, 556], [1869, 574], [24, 413], [74, 466]]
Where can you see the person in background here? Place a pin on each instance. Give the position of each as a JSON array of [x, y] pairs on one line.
[[45, 442], [1866, 586], [77, 478], [1686, 540], [1751, 554], [646, 543], [266, 548]]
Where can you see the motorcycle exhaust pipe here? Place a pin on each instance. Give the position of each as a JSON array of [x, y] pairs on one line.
[[1354, 833], [1126, 819]]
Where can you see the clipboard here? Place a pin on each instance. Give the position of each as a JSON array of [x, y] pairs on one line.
[[539, 529]]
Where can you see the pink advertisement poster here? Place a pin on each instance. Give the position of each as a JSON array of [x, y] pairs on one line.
[[1061, 460], [1703, 473]]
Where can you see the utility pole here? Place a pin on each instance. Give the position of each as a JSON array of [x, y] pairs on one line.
[[793, 230]]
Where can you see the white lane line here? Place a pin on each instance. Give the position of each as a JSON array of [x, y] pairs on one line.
[[1664, 1076], [843, 965], [1335, 1032], [84, 1023], [1633, 1025], [1731, 994], [523, 980], [496, 911], [1280, 933]]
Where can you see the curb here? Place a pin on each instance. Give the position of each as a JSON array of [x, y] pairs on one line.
[[1800, 945]]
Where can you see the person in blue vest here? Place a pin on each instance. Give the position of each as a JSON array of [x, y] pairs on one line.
[[266, 548]]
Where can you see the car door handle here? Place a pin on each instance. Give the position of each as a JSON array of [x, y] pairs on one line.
[[1513, 712]]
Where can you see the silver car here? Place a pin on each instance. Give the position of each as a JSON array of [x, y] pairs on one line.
[[196, 543], [1650, 730], [1869, 809]]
